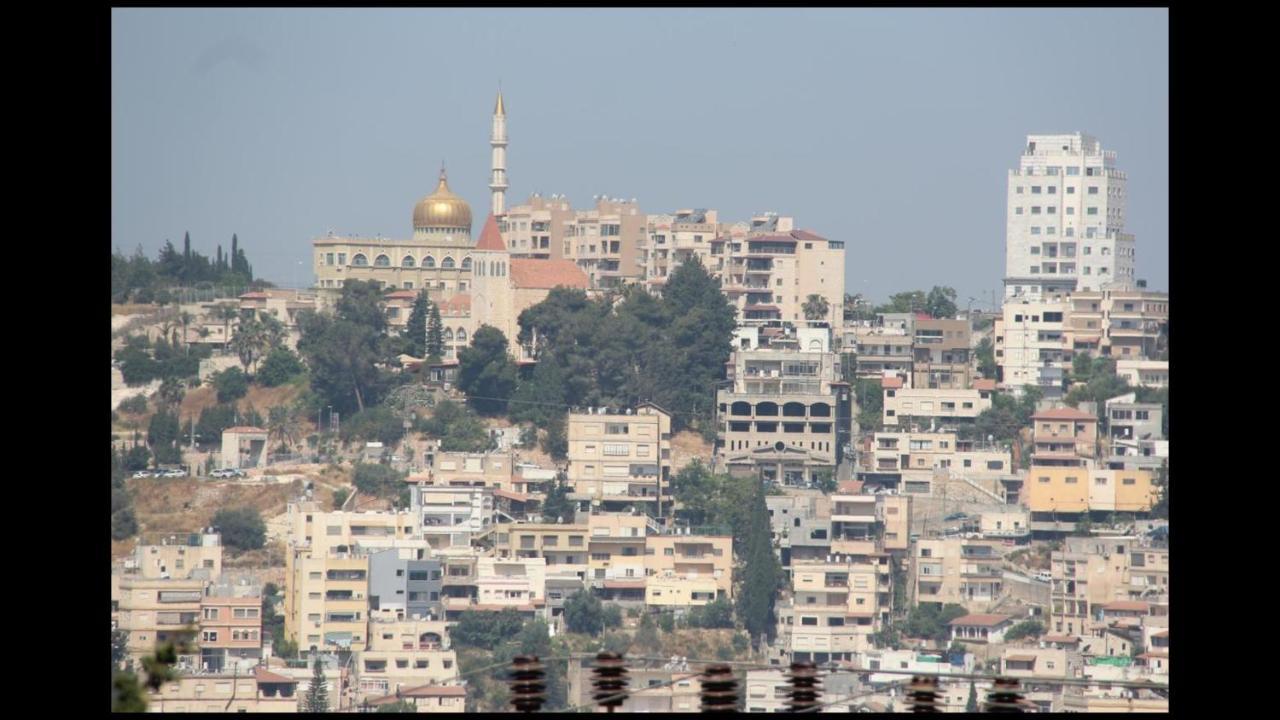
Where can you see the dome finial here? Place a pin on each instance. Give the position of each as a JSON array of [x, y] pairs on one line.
[[499, 109]]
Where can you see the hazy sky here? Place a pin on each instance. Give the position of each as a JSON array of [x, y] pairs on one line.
[[892, 130]]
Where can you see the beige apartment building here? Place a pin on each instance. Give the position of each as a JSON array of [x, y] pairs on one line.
[[1064, 437], [564, 548], [1123, 324], [154, 611], [685, 570], [671, 240], [617, 543], [1145, 373], [519, 583], [620, 458], [260, 691], [941, 354], [881, 351], [836, 604], [326, 599], [961, 571], [178, 556], [934, 405], [1087, 489], [1092, 572], [230, 626], [787, 416], [537, 229], [403, 654]]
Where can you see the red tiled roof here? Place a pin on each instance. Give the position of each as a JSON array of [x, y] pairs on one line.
[[401, 295], [1127, 605], [499, 492], [1060, 638], [984, 384], [851, 487], [547, 274], [981, 620], [1065, 413], [891, 382], [490, 237], [459, 303], [264, 675], [808, 235], [245, 429]]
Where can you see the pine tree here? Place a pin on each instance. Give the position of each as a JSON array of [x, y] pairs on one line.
[[416, 331], [435, 335], [972, 705], [235, 253], [317, 697]]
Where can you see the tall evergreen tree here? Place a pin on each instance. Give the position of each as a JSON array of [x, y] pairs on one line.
[[761, 575], [317, 698], [416, 331], [235, 252], [435, 335], [972, 705]]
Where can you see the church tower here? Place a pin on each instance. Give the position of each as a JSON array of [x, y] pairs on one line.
[[498, 141]]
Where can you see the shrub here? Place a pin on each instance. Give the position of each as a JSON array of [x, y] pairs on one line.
[[241, 528], [379, 480], [377, 423], [135, 405], [280, 366], [231, 384]]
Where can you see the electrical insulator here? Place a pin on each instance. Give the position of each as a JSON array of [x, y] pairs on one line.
[[719, 690], [923, 695], [804, 687], [528, 684], [610, 681], [1004, 697]]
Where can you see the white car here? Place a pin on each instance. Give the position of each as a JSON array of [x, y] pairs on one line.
[[173, 474], [142, 474], [1043, 576]]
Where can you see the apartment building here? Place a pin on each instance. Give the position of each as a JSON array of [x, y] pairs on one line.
[[1145, 373], [941, 355], [538, 228], [671, 240], [283, 306], [1126, 324], [466, 469], [881, 351], [1090, 572], [616, 567], [811, 526], [326, 599], [980, 628], [452, 516], [1033, 345], [258, 691], [835, 605], [1130, 424], [1064, 437], [619, 458], [518, 583], [451, 699], [1030, 662], [1053, 491], [1066, 219], [177, 556], [406, 583], [322, 532], [684, 569], [772, 277], [786, 417], [934, 406], [957, 570], [403, 654], [607, 242], [564, 548], [155, 611], [231, 626]]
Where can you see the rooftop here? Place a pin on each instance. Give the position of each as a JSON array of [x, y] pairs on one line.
[[547, 274], [1065, 413], [981, 620]]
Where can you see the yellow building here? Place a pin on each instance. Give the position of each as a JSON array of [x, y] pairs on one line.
[[1080, 489], [155, 611], [956, 570], [563, 547], [257, 692], [834, 608], [326, 600], [619, 458], [177, 556]]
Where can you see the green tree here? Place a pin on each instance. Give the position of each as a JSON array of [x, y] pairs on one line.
[[126, 693], [376, 423], [941, 302], [415, 331], [348, 354], [435, 335], [1026, 628], [905, 302], [870, 396], [162, 436], [282, 424], [458, 429], [541, 397], [249, 341], [399, 706], [279, 367], [377, 480], [715, 614], [486, 372], [171, 393], [556, 442], [972, 705], [231, 384], [124, 524], [815, 308], [584, 613], [241, 528], [340, 498], [985, 352], [316, 699], [135, 405], [557, 506], [1161, 507], [487, 630], [646, 638], [762, 574]]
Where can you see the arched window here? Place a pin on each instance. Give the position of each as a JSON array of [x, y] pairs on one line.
[[767, 408], [448, 335], [447, 263], [741, 408], [408, 261], [793, 409], [466, 263], [428, 262], [382, 261], [462, 335], [359, 260], [820, 410]]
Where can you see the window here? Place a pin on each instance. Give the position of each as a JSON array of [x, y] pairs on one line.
[[428, 262], [1035, 189], [1035, 209], [1017, 210], [1051, 210], [359, 260], [211, 613], [1128, 481], [408, 261], [1053, 190], [615, 449], [245, 612], [1073, 171], [1035, 229], [328, 259], [1092, 211], [616, 429], [209, 636], [1018, 190], [447, 263], [808, 621], [1093, 189]]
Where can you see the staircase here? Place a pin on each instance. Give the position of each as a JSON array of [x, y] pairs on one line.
[[983, 491]]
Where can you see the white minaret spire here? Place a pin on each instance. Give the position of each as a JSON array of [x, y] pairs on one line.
[[498, 141]]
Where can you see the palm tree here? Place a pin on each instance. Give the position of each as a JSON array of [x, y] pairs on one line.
[[186, 318], [815, 308], [227, 312], [282, 425], [171, 392]]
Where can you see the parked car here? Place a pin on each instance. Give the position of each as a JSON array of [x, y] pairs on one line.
[[220, 474], [955, 516], [142, 474], [1043, 576], [173, 473]]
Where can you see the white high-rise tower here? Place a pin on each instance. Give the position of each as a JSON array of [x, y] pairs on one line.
[[498, 141], [1065, 227]]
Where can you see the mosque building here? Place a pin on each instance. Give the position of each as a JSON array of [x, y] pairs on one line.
[[479, 277]]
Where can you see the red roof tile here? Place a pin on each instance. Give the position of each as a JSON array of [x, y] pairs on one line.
[[891, 382], [547, 274], [984, 384], [459, 303], [490, 237], [520, 497], [264, 675], [851, 487]]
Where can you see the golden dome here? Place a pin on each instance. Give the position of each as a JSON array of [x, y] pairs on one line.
[[442, 209]]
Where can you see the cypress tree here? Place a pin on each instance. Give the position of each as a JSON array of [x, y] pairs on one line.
[[972, 705], [416, 331], [186, 246], [435, 335], [235, 252], [317, 697], [762, 572]]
